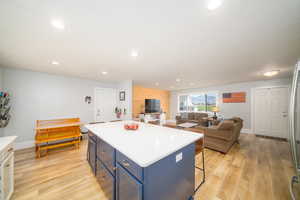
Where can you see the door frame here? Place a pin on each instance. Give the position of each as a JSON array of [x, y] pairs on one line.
[[252, 112], [102, 88]]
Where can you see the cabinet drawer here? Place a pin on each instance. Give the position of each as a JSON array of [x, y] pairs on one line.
[[131, 166], [91, 155], [106, 154], [106, 181], [127, 187], [92, 136], [6, 151]]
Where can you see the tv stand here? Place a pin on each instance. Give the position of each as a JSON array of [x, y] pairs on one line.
[[157, 118]]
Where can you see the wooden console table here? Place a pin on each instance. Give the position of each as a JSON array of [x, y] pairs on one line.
[[55, 133]]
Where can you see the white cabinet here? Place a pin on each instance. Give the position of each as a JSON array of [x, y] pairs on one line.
[[153, 117], [7, 177], [6, 167]]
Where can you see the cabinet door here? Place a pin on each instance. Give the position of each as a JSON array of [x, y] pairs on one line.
[[106, 181], [127, 186], [7, 177], [92, 154], [130, 166], [106, 154]]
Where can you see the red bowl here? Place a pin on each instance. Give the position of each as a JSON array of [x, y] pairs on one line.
[[131, 126]]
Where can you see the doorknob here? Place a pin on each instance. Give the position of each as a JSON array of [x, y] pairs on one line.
[[284, 114]]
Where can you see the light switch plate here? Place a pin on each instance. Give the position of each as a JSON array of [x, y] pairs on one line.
[[179, 157]]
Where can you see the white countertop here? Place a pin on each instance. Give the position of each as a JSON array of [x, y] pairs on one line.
[[146, 145], [5, 141]]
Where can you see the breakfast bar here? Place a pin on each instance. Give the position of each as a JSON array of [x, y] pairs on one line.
[[152, 162]]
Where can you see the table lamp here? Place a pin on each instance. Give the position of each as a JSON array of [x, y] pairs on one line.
[[215, 110]]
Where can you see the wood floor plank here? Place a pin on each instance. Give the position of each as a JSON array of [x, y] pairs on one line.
[[255, 169], [246, 183]]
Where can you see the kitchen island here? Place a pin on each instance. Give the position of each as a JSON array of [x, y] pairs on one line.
[[151, 163]]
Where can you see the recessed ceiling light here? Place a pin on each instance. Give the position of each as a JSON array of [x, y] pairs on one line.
[[271, 73], [54, 62], [58, 24], [157, 84], [213, 4], [134, 53], [178, 79], [104, 73]]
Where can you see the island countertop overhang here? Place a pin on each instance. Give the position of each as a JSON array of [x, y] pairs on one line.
[[148, 144]]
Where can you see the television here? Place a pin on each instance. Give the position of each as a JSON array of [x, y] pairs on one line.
[[152, 106]]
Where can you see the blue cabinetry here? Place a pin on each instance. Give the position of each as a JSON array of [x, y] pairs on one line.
[[171, 178], [101, 157], [106, 154], [106, 180], [91, 154], [127, 186], [130, 166]]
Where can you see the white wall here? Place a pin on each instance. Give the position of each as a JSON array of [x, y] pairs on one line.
[[43, 96], [127, 87], [228, 110], [1, 78]]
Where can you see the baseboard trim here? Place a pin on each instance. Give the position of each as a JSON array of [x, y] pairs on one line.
[[270, 137], [31, 143], [245, 130], [24, 145]]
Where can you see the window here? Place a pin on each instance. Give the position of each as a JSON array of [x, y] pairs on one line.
[[211, 101], [183, 102], [203, 102], [198, 102]]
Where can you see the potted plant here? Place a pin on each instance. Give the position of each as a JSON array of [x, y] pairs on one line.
[[4, 109], [118, 112]]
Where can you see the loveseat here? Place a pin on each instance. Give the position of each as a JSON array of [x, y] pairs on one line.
[[222, 136], [194, 117]]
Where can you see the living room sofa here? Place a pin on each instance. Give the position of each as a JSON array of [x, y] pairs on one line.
[[194, 117], [222, 136]]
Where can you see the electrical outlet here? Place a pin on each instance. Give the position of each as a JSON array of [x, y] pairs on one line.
[[179, 157]]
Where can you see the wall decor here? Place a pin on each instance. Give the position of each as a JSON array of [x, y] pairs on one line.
[[234, 97], [122, 96], [88, 99], [4, 109]]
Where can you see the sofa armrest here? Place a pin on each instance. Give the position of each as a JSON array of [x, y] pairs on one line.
[[220, 134], [203, 128], [203, 122]]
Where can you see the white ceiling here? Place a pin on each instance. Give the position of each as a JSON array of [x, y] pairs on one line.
[[174, 38]]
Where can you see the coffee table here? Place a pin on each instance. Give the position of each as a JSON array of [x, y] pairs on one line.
[[187, 125]]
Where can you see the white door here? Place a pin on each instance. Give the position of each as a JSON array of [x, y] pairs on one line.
[[271, 111], [279, 112], [262, 110], [105, 104]]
